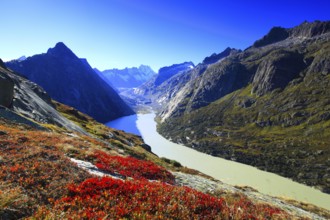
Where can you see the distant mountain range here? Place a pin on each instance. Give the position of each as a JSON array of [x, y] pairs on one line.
[[148, 90], [72, 81], [169, 80], [128, 77]]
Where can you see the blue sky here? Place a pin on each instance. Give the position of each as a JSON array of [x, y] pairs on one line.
[[126, 33]]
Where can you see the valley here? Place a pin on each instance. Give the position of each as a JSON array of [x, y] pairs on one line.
[[266, 106], [237, 134]]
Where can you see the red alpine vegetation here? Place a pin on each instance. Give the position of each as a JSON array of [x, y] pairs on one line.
[[109, 198], [132, 167]]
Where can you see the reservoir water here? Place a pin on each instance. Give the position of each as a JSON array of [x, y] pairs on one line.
[[227, 171]]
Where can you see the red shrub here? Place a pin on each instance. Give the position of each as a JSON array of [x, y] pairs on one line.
[[114, 199], [109, 198], [132, 167]]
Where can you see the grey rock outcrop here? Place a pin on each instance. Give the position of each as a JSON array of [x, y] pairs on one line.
[[276, 71], [310, 29], [304, 30], [6, 88], [216, 57], [320, 64], [275, 34], [32, 102], [218, 81]]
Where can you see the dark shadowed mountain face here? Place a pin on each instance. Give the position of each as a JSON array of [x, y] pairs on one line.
[[267, 106], [72, 81], [128, 77]]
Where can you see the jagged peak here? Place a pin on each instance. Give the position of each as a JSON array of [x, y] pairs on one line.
[[187, 63], [305, 30], [216, 57], [61, 45], [275, 34], [60, 49]]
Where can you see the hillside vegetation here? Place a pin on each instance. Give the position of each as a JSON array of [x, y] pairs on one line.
[[38, 180]]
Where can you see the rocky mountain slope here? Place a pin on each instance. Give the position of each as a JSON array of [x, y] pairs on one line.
[[128, 77], [70, 80], [170, 80], [148, 93], [67, 165], [164, 74], [267, 106], [22, 97]]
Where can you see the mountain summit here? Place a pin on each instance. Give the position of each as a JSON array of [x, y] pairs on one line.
[[72, 81], [61, 50]]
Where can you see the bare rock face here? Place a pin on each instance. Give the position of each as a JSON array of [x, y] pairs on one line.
[[218, 81], [217, 57], [276, 71], [304, 30], [320, 64], [310, 29], [6, 88], [275, 34], [29, 100]]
